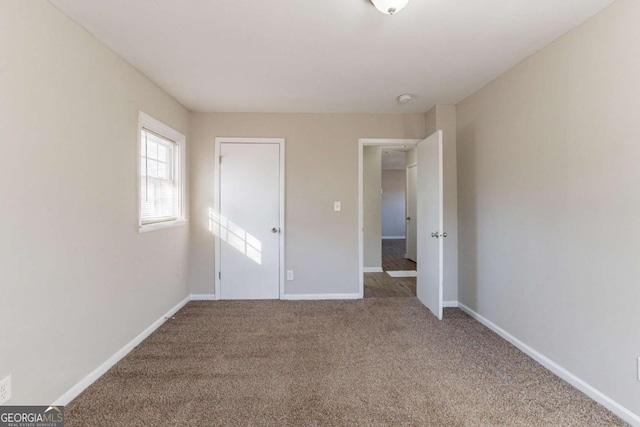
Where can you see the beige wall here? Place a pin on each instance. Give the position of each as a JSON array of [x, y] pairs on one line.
[[549, 197], [394, 187], [78, 281], [431, 127], [321, 166], [372, 206], [431, 121]]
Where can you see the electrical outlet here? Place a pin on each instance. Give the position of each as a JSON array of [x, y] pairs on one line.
[[5, 389], [289, 274]]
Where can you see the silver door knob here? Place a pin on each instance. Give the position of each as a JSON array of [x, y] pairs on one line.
[[435, 235], [275, 230], [408, 218]]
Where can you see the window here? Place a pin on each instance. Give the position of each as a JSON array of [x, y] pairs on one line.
[[161, 177]]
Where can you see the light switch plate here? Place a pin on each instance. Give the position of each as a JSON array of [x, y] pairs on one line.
[[337, 206], [289, 274]]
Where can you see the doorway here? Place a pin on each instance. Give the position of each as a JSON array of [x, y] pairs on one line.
[[429, 217], [385, 269], [248, 218]]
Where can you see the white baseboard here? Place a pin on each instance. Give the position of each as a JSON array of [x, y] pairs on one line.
[[203, 297], [558, 370], [320, 296], [592, 392], [402, 273], [372, 270], [74, 391], [393, 237]]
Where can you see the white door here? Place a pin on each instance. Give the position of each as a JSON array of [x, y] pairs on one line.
[[248, 222], [412, 213], [430, 223]]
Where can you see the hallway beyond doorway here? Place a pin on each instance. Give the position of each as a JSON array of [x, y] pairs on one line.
[[381, 285], [393, 259]]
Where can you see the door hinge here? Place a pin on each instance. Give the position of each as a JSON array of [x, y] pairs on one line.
[[219, 159], [219, 275]]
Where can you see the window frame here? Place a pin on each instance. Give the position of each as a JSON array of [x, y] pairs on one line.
[[151, 124]]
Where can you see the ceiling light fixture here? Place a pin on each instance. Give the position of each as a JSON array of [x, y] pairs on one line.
[[403, 99], [389, 7]]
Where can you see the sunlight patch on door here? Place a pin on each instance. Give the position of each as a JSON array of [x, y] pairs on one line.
[[235, 236]]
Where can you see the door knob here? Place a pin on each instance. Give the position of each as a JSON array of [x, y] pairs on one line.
[[438, 235], [408, 218], [275, 230], [435, 235]]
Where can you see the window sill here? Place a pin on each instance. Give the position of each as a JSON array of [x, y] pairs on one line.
[[161, 225]]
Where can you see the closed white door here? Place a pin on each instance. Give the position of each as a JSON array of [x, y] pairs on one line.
[[430, 230], [248, 221], [412, 213]]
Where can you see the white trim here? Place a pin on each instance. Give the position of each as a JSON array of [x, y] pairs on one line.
[[320, 296], [242, 140], [281, 143], [592, 392], [361, 143], [372, 270], [450, 304], [155, 125], [203, 297], [389, 141], [393, 237], [406, 209], [79, 387], [160, 225], [402, 273]]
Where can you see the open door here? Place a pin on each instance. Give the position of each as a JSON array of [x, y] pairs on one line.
[[430, 235]]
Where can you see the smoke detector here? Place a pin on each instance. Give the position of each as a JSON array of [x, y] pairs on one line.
[[403, 99]]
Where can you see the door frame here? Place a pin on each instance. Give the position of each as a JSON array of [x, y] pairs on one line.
[[216, 203], [406, 205], [361, 144]]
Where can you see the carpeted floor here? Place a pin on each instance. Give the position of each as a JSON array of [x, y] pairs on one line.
[[372, 362]]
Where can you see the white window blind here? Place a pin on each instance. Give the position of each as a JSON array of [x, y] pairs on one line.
[[159, 191]]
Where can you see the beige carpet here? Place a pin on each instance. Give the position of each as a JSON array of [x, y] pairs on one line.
[[373, 362]]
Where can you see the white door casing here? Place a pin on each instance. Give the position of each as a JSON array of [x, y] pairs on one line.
[[430, 227], [248, 218], [411, 250], [362, 142]]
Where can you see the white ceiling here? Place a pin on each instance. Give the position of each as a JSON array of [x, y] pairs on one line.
[[324, 56]]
